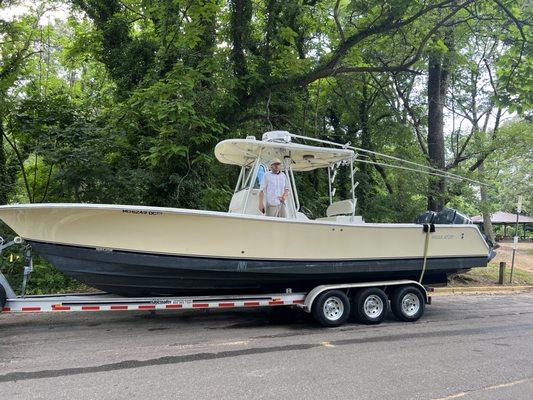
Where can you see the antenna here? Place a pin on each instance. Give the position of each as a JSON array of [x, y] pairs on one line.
[[428, 170]]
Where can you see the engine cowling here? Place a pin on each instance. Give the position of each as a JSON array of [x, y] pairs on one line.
[[446, 216]]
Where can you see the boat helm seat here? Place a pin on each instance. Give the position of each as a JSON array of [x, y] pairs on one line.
[[239, 198], [343, 207]]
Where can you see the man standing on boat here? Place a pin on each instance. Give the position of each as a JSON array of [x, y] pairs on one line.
[[276, 188]]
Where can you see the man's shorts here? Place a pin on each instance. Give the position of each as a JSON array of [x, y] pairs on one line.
[[277, 211]]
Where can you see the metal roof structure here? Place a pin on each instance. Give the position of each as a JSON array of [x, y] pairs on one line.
[[501, 217]]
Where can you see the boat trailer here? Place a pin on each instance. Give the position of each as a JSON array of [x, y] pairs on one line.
[[331, 305]]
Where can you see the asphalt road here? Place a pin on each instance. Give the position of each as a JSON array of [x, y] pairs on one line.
[[465, 347]]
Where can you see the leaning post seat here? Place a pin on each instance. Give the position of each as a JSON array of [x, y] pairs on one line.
[[343, 207], [342, 212]]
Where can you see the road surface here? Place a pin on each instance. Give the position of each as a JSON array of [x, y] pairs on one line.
[[465, 347]]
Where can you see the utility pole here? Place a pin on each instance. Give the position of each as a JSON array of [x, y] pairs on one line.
[[515, 239]]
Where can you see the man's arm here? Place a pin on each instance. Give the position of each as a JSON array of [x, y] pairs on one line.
[[284, 195], [262, 189], [285, 191], [261, 199]]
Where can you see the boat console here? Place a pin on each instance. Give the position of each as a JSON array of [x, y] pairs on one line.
[[254, 155]]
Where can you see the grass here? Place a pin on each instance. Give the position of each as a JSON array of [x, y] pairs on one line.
[[489, 276], [44, 279]]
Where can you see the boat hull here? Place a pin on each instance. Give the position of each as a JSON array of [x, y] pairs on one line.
[[144, 274], [140, 251]]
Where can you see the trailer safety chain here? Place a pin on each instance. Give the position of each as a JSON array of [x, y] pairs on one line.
[[428, 229]]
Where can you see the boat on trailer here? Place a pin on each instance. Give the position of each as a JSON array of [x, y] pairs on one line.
[[153, 251]]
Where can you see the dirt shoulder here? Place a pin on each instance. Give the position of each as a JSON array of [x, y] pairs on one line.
[[523, 258], [522, 275]]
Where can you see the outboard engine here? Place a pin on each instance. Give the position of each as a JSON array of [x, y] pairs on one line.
[[446, 216], [425, 218], [451, 216]]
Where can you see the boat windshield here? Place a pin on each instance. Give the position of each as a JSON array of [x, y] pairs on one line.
[[260, 175]]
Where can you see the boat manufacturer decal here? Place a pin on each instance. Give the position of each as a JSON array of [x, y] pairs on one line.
[[443, 237], [104, 249], [142, 212]]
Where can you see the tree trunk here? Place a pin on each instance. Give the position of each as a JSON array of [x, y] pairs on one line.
[[438, 77], [343, 176], [366, 187], [366, 183], [273, 11], [3, 169], [487, 224], [241, 15]]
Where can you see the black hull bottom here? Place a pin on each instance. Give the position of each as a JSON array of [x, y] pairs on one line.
[[138, 274]]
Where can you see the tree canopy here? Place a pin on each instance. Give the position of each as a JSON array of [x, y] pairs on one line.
[[123, 101]]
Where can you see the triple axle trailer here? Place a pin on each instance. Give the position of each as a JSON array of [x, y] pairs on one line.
[[330, 305]]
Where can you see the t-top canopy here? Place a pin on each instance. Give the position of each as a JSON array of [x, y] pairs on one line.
[[244, 152]]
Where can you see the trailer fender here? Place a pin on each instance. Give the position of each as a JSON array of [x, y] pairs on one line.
[[313, 294]]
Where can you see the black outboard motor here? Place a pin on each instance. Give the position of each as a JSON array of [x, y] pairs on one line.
[[446, 216], [451, 216], [425, 218]]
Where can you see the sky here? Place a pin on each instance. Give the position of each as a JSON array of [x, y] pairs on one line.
[[53, 11]]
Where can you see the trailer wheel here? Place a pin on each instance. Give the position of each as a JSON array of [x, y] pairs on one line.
[[371, 306], [331, 308], [408, 303], [3, 298]]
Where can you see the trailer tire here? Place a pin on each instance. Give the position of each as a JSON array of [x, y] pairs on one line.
[[408, 303], [371, 306], [331, 308], [3, 298]]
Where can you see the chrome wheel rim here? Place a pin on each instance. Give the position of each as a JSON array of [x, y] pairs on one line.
[[333, 308], [410, 304], [373, 306]]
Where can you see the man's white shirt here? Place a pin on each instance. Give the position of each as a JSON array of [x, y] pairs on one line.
[[273, 186]]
